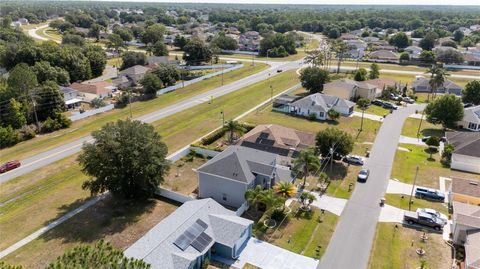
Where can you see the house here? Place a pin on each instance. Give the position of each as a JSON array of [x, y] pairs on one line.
[[463, 190], [421, 84], [466, 153], [134, 73], [356, 48], [471, 119], [347, 36], [282, 103], [154, 60], [472, 250], [70, 97], [90, 91], [466, 231], [277, 139], [383, 83], [319, 104], [228, 175], [383, 56], [249, 41], [413, 51], [350, 89], [189, 236]]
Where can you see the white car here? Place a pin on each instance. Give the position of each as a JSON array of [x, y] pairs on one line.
[[434, 213]]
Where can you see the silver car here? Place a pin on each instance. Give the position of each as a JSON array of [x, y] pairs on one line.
[[363, 175]]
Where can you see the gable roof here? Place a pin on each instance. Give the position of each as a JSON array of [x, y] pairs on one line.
[[135, 70], [381, 83], [383, 54], [281, 136], [238, 163], [472, 250], [324, 102], [101, 87], [447, 84], [466, 187], [472, 114], [465, 143], [157, 246]]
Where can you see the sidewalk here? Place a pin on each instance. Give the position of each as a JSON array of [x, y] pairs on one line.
[[367, 116], [330, 204]]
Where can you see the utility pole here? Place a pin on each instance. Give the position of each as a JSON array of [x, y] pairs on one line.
[[413, 188], [35, 112], [361, 123], [223, 117], [331, 158], [420, 124], [130, 102]]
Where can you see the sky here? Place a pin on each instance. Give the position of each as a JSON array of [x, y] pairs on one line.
[[327, 2]]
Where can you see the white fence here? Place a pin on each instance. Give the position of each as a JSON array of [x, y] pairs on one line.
[[186, 83], [175, 196], [455, 66], [92, 112], [207, 152], [242, 209]]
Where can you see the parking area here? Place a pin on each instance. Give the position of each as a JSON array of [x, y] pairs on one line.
[[268, 256]]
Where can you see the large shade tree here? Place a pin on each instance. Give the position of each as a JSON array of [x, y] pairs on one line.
[[333, 138], [446, 110], [471, 92], [126, 158], [313, 78]]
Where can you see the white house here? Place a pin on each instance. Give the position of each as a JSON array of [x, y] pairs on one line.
[[319, 104], [413, 51], [471, 119], [466, 153]]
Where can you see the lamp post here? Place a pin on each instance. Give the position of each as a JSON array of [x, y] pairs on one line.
[[413, 188], [223, 117]]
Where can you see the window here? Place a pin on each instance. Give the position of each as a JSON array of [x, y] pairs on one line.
[[224, 196], [321, 114], [472, 126]]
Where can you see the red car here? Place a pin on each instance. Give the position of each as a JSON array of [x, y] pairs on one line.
[[9, 166]]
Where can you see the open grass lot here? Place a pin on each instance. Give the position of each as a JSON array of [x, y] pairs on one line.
[[397, 201], [410, 128], [348, 124], [118, 222], [50, 33], [181, 177], [117, 62], [304, 231], [430, 170], [84, 127], [375, 110], [38, 198], [188, 125], [407, 78], [392, 249]]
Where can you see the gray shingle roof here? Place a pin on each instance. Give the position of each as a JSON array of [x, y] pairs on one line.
[[238, 163], [465, 143], [323, 102], [157, 248]]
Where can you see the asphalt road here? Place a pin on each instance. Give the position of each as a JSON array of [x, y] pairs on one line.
[[353, 237], [53, 155]]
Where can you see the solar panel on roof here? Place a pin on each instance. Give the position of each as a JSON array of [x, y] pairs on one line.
[[201, 223], [182, 242], [191, 234], [202, 242]]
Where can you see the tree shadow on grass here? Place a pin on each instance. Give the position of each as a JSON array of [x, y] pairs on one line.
[[432, 132], [339, 171], [108, 216]]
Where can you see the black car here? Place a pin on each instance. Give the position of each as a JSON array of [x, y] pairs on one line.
[[389, 106], [352, 159], [377, 102], [363, 175]]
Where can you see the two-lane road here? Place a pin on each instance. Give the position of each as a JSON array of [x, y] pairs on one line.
[[352, 240], [53, 155]]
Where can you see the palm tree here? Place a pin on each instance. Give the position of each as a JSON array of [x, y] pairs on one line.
[[437, 78], [333, 114], [253, 197], [285, 189], [307, 162], [340, 47], [271, 200], [233, 127], [306, 199], [363, 103], [323, 178]]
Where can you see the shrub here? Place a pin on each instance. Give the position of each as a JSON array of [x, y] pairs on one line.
[[8, 137], [50, 125], [312, 117], [28, 132]]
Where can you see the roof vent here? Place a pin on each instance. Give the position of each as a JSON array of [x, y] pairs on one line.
[[474, 183]]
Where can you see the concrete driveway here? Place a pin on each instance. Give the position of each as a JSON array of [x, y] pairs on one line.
[[391, 214], [268, 256], [411, 140]]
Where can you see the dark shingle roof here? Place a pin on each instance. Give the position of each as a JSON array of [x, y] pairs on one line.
[[465, 143]]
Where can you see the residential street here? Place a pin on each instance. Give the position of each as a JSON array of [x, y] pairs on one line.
[[352, 240], [50, 156]]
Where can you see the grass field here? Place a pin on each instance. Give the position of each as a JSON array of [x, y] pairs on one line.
[[430, 170], [410, 128], [408, 79], [396, 200], [393, 249], [375, 110], [84, 127], [50, 33]]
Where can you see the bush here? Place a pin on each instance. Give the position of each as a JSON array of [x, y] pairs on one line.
[[97, 102], [28, 132], [219, 134], [312, 117], [60, 121], [8, 137]]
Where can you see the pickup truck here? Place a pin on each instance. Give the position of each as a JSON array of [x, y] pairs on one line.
[[423, 219], [429, 194]]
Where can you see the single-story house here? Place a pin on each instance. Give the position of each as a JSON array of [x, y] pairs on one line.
[[413, 51], [466, 231], [188, 237], [383, 56], [153, 60], [227, 176], [134, 73], [70, 96], [350, 89], [421, 84], [466, 153], [282, 103], [472, 250], [465, 191], [382, 83], [471, 119], [277, 139], [319, 104], [101, 89]]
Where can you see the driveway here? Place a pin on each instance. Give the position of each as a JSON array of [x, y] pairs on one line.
[[330, 204], [353, 238], [389, 213], [268, 256], [411, 140]]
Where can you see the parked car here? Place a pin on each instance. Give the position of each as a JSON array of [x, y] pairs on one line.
[[279, 70], [353, 159], [429, 194], [377, 102], [423, 219], [408, 100], [389, 106], [363, 175], [434, 213], [9, 166]]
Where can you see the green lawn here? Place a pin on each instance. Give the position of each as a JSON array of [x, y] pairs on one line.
[[375, 110], [397, 201], [50, 33], [408, 78], [393, 249], [410, 128], [430, 170], [84, 127]]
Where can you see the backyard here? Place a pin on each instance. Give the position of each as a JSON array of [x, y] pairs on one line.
[[395, 248], [181, 177], [410, 128]]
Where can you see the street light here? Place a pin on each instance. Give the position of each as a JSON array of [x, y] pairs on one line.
[[223, 117]]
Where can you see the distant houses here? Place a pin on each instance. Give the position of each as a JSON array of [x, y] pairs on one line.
[[421, 84], [383, 56], [350, 89]]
